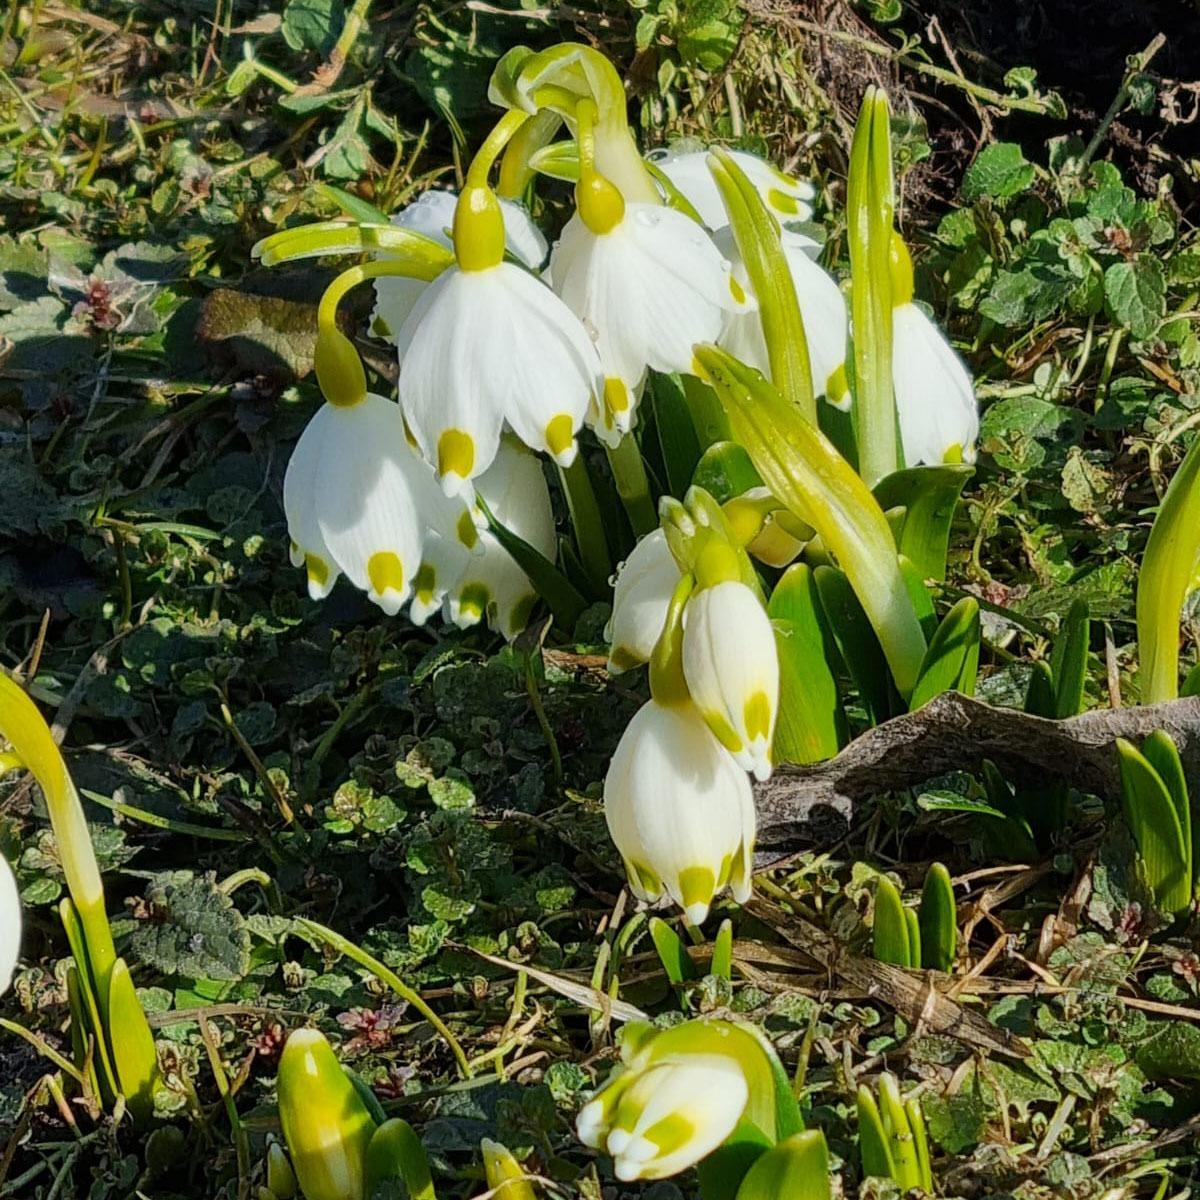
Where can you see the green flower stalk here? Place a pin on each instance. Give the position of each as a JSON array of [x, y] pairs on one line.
[[870, 207], [326, 1123], [1169, 573]]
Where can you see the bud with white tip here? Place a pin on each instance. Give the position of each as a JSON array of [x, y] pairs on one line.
[[10, 925]]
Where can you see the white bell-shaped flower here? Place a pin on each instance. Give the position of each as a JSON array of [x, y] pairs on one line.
[[10, 925], [432, 214], [667, 1116], [935, 399], [648, 284], [731, 665], [482, 348], [645, 582], [361, 502], [679, 810], [491, 583], [788, 198], [822, 309]]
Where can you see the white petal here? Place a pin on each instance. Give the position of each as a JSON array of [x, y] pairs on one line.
[[301, 486], [935, 398], [10, 925], [641, 597], [688, 170], [675, 803], [731, 666]]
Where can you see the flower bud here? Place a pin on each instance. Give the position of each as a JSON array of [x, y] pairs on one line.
[[679, 810], [325, 1123], [505, 1176], [731, 666], [640, 600]]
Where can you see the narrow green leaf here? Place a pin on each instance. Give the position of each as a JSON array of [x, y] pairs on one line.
[[560, 595], [929, 497], [93, 1026], [722, 953], [592, 546], [672, 953], [1162, 754], [395, 1152], [676, 432], [952, 660], [811, 725], [795, 1169], [916, 1125], [708, 414], [426, 257], [938, 919], [1040, 699], [914, 938], [920, 595], [78, 1007], [351, 205], [856, 642], [1154, 823], [807, 476], [558, 160], [1068, 660], [873, 1143], [890, 933], [721, 1174], [1168, 573], [756, 232], [903, 1145], [134, 1055], [366, 1094], [1191, 682]]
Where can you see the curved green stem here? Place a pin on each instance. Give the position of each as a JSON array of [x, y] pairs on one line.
[[667, 684], [493, 146]]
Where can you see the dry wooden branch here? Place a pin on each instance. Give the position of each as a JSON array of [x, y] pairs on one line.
[[956, 733]]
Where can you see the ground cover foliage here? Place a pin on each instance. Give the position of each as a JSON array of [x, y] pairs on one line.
[[250, 758]]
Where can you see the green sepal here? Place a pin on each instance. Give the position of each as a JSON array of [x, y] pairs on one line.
[[133, 1052], [561, 596], [795, 1169], [874, 1146], [351, 205], [856, 643], [559, 160], [1154, 822], [1039, 692], [952, 661], [929, 497], [811, 725], [1162, 754], [676, 431], [756, 232], [938, 920], [1167, 576], [807, 476], [672, 953], [395, 1152], [891, 941], [725, 471], [722, 952], [1068, 660]]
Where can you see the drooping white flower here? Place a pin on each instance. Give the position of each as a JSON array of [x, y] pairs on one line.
[[432, 214], [360, 501], [647, 288], [482, 348], [822, 309], [731, 666], [492, 584], [935, 399], [788, 198], [645, 582], [664, 1118], [679, 810], [10, 925]]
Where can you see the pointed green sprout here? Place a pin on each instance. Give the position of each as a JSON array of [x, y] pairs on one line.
[[396, 1153], [1154, 796], [756, 232], [281, 1179], [891, 1137], [870, 206], [116, 1019], [1168, 574], [892, 940], [672, 953], [937, 918], [505, 1177], [796, 1169], [806, 474]]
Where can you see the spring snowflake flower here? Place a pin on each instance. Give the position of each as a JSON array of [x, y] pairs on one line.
[[822, 309], [432, 214], [640, 598], [788, 198], [360, 502], [679, 810], [491, 584], [935, 399], [10, 925]]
